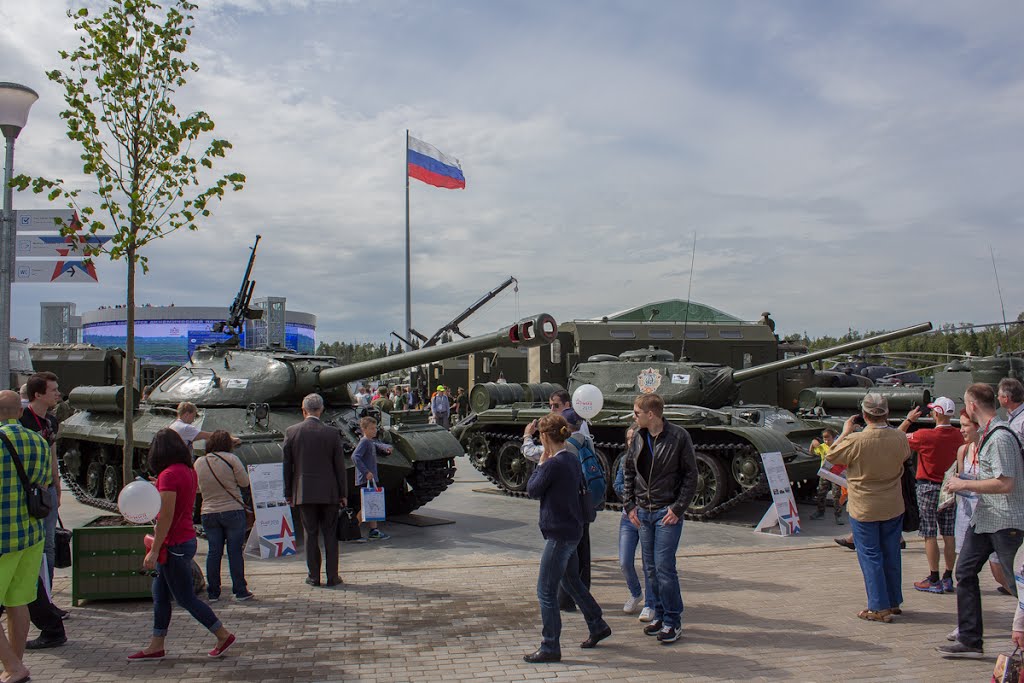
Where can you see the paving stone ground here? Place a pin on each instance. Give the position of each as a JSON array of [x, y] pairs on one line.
[[766, 614]]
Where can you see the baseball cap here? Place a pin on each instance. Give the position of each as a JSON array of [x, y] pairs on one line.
[[440, 387], [942, 406], [572, 417], [875, 404]]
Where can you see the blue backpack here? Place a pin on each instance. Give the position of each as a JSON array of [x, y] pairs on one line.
[[593, 477]]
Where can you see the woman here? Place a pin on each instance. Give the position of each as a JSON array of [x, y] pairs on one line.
[[557, 482], [629, 539], [222, 477], [171, 462], [874, 458]]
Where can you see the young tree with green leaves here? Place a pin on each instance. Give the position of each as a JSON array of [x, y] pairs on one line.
[[151, 179]]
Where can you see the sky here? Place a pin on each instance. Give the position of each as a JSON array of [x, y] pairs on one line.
[[841, 165]]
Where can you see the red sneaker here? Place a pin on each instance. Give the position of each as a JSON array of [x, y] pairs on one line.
[[142, 656], [219, 650], [925, 585]]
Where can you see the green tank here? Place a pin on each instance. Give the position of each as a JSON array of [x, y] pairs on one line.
[[256, 395], [729, 437]]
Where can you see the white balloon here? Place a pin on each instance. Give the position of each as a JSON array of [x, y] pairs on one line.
[[139, 502], [587, 401]]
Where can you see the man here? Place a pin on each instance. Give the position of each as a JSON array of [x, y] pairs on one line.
[[1011, 398], [44, 395], [440, 407], [936, 451], [21, 544], [660, 478], [381, 401], [821, 448], [187, 414], [362, 397], [315, 481], [461, 404], [998, 520]]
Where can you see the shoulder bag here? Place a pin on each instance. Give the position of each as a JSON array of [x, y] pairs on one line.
[[250, 516], [38, 500], [62, 545]]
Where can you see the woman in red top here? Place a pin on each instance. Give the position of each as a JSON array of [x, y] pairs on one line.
[[171, 462]]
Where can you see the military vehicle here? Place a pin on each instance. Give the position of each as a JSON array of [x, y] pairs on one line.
[[255, 394], [21, 363], [702, 397]]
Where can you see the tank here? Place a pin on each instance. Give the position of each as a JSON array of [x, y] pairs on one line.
[[256, 394], [729, 437]]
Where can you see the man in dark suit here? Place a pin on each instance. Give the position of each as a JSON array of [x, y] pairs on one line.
[[316, 482]]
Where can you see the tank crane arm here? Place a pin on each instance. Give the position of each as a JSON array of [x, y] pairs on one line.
[[453, 326], [240, 311]]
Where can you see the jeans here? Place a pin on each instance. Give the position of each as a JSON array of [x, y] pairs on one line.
[[629, 538], [658, 545], [224, 527], [973, 556], [558, 566], [50, 540], [175, 579], [583, 561], [878, 551]]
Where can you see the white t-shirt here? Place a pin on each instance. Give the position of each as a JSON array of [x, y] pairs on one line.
[[186, 431]]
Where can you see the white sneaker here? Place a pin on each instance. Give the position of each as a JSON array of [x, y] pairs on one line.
[[646, 614], [633, 604], [953, 635]]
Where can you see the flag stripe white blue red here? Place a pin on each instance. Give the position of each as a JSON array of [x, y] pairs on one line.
[[432, 166]]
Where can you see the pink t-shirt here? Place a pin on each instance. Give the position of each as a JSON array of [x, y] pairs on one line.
[[183, 481]]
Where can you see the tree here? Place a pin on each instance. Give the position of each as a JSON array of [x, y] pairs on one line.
[[118, 88]]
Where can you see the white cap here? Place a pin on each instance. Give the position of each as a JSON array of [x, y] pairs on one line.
[[942, 406]]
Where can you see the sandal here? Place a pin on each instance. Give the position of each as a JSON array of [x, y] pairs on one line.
[[884, 615]]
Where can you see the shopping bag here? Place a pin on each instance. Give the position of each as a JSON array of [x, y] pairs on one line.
[[1009, 668], [372, 500], [348, 525], [62, 546]]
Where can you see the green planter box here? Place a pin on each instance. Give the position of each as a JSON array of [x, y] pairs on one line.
[[106, 560]]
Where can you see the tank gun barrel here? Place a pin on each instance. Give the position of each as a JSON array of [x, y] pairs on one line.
[[538, 330], [785, 364]]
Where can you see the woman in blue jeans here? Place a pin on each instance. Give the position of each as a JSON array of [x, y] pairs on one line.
[[222, 476], [557, 483], [174, 546], [629, 539]]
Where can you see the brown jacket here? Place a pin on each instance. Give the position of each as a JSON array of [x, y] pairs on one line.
[[314, 464]]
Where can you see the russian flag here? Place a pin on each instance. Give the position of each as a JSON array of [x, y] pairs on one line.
[[428, 164]]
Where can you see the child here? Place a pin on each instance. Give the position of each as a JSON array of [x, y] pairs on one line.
[[365, 458], [821, 449]]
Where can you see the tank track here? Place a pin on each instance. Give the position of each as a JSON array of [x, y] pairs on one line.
[[499, 439], [427, 481], [80, 494]]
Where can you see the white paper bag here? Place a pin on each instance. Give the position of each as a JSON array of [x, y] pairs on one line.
[[372, 501]]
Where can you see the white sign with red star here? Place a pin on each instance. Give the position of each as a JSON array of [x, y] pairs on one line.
[[274, 530], [74, 271], [48, 246]]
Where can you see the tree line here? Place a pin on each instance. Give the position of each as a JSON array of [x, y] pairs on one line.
[[347, 353]]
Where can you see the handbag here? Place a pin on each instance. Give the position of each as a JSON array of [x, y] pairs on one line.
[[147, 540], [348, 525], [250, 515], [62, 545], [372, 500], [37, 499], [911, 516], [1009, 668]]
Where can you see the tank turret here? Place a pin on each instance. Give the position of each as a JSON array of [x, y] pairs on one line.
[[697, 384]]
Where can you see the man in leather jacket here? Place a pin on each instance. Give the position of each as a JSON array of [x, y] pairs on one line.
[[660, 474]]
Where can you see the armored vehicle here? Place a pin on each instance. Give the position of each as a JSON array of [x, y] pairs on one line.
[[702, 397], [256, 395]]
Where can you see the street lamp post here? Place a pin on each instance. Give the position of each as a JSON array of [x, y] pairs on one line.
[[15, 101]]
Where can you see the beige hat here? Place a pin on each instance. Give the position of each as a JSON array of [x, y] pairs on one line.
[[875, 404]]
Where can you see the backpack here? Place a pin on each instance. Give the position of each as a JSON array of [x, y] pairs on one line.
[[593, 477]]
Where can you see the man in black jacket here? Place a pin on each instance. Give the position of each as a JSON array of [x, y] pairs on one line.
[[660, 476]]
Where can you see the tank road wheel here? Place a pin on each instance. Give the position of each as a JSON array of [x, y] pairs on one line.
[[712, 485], [479, 451], [111, 483], [513, 469], [746, 470], [94, 479]]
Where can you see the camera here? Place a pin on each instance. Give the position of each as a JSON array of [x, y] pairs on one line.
[[859, 420]]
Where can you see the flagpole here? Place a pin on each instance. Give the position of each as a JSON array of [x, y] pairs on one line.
[[408, 268]]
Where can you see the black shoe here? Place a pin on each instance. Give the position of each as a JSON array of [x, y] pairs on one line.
[[331, 583], [817, 515], [652, 628], [42, 643], [845, 543], [312, 582], [958, 650], [596, 638], [542, 657], [63, 613], [669, 635]]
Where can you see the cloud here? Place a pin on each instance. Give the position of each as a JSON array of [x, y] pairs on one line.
[[841, 165]]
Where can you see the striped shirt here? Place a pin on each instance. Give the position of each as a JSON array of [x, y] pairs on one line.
[[19, 529], [1000, 457]]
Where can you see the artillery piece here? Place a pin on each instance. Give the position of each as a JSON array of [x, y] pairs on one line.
[[256, 395], [729, 438]]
